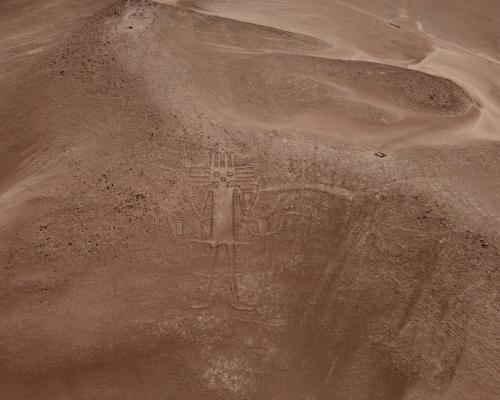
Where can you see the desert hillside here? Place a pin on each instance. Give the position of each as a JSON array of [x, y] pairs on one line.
[[249, 199]]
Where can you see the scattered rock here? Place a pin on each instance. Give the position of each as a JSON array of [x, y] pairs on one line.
[[484, 245]]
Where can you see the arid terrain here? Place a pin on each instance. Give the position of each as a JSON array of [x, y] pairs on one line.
[[249, 200]]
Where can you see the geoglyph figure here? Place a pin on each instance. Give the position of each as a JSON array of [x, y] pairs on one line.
[[232, 190], [227, 185]]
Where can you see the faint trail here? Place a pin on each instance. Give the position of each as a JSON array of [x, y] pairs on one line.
[[336, 191], [430, 35]]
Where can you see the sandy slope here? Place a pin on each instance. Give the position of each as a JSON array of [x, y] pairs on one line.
[[374, 276]]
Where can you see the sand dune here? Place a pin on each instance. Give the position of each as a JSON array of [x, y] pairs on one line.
[[335, 163]]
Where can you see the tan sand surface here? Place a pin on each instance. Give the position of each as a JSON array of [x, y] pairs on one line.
[[248, 199]]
